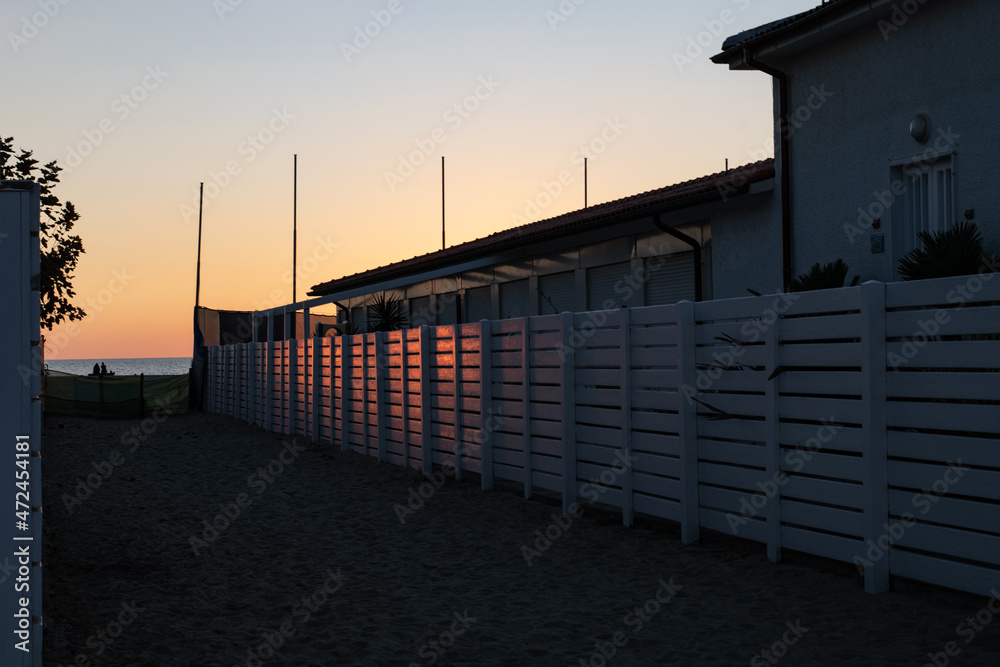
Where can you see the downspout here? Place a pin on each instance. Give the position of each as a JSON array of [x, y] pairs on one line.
[[785, 161], [698, 296]]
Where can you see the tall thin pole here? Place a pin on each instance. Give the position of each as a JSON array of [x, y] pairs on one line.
[[443, 244], [295, 222], [295, 234], [585, 183], [197, 282]]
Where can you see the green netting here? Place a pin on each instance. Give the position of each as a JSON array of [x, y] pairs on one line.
[[130, 396]]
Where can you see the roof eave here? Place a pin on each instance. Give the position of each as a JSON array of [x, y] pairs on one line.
[[825, 23], [435, 265]]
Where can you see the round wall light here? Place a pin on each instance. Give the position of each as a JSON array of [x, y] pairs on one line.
[[920, 128]]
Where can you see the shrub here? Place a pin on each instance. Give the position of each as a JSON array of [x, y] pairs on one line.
[[828, 276], [957, 251]]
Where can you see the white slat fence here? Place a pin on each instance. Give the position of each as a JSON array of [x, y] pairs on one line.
[[860, 424]]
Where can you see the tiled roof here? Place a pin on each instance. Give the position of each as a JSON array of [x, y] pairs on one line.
[[768, 28], [720, 185]]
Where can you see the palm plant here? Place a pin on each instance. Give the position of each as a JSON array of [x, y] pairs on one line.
[[828, 276], [386, 314], [956, 251]]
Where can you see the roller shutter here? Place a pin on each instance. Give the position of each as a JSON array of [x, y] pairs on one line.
[[449, 307], [514, 299], [557, 293], [671, 279], [477, 301], [420, 312], [601, 282]]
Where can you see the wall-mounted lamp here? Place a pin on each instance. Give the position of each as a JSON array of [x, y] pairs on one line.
[[920, 128]]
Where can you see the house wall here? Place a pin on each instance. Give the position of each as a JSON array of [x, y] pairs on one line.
[[746, 248], [855, 97], [630, 247]]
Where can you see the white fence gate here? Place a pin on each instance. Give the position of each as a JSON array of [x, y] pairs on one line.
[[860, 424]]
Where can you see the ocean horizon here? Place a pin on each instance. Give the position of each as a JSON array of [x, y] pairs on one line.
[[148, 366]]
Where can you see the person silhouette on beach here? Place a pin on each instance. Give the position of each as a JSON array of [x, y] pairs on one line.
[[97, 369], [104, 369]]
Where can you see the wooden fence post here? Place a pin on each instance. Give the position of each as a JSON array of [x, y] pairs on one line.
[[380, 405], [426, 448], [365, 431], [772, 443], [240, 392], [457, 390], [269, 375], [345, 389], [254, 378], [626, 383], [526, 404], [687, 362], [486, 403], [207, 403], [567, 356], [293, 385], [404, 366], [318, 345], [875, 455]]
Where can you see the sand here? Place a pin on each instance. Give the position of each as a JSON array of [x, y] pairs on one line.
[[315, 567]]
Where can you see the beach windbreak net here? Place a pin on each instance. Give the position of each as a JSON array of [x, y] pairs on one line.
[[132, 396]]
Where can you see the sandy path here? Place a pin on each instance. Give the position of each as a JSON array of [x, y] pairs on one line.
[[318, 561]]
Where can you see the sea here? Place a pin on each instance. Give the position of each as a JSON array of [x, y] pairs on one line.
[[154, 366]]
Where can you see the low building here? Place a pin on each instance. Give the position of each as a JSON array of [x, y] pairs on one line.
[[653, 248]]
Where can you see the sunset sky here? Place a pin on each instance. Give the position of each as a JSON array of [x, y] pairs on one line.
[[141, 101]]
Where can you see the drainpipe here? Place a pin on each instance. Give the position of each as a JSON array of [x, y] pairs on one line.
[[785, 159], [698, 296]]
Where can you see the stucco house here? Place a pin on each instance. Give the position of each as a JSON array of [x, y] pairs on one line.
[[881, 127]]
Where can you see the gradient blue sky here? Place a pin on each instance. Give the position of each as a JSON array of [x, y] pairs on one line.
[[161, 96]]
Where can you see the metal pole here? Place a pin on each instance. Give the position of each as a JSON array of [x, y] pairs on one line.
[[295, 232], [443, 244], [585, 184], [197, 282]]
